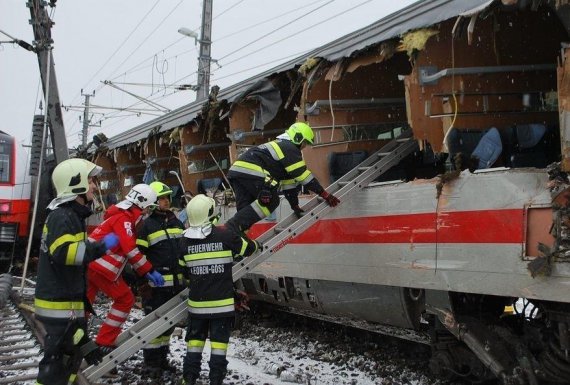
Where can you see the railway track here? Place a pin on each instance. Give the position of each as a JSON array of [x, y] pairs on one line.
[[21, 336]]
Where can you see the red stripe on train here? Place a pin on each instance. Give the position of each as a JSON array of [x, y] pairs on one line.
[[486, 226]]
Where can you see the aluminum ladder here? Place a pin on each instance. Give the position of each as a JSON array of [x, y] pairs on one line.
[[175, 310]]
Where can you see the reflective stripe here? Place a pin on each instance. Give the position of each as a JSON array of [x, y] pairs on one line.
[[141, 262], [206, 262], [142, 242], [158, 342], [259, 209], [208, 255], [133, 253], [295, 166], [195, 346], [243, 246], [275, 150], [113, 323], [207, 307], [66, 238], [72, 378], [169, 280], [117, 257], [59, 309], [75, 254], [162, 235], [118, 313], [218, 348], [108, 265], [248, 168], [305, 177], [288, 184]]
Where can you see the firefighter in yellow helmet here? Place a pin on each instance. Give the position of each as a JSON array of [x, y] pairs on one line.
[[208, 253], [157, 238], [261, 171], [64, 254]]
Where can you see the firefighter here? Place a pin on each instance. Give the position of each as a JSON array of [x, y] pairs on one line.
[[261, 171], [158, 239], [208, 252], [104, 274], [60, 288]]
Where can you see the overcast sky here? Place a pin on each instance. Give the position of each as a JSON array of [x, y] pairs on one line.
[[136, 41]]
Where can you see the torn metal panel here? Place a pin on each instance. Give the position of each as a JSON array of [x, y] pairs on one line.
[[269, 98]]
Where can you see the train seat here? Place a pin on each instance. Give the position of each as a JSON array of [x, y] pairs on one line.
[[529, 145], [488, 149]]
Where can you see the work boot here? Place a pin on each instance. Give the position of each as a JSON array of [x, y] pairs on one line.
[[167, 366], [106, 350]]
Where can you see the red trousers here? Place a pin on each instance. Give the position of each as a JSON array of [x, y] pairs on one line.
[[123, 301]]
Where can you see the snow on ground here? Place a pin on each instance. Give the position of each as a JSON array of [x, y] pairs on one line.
[[268, 350]]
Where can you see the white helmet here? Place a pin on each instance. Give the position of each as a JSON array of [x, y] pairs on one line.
[[71, 177], [142, 195], [200, 210]]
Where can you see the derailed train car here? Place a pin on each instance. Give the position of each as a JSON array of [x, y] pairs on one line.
[[468, 224]]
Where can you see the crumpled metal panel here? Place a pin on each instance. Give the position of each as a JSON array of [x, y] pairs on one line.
[[418, 15]]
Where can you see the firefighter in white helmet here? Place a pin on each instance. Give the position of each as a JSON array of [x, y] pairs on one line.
[[105, 273], [261, 171], [208, 252], [64, 255]]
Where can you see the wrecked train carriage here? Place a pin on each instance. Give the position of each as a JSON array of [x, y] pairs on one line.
[[446, 251]]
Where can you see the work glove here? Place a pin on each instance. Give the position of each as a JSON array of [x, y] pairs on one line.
[[241, 300], [299, 212], [331, 200], [264, 196], [155, 277], [111, 240]]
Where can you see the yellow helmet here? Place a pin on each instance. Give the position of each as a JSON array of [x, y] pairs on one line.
[[200, 210], [299, 132], [71, 177], [160, 189]]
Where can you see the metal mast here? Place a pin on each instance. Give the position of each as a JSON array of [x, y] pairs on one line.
[[205, 58], [41, 24]]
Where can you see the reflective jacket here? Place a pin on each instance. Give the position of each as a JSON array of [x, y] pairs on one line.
[[209, 263], [157, 238], [64, 254], [279, 159], [121, 222]]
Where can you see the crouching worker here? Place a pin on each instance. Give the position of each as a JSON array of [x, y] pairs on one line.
[[105, 274], [208, 252], [158, 238], [60, 288]]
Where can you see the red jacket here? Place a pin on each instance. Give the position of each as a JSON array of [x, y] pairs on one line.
[[121, 222]]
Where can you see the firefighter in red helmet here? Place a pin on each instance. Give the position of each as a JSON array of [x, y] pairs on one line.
[[260, 172]]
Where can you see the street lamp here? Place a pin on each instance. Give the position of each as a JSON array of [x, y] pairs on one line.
[[188, 32]]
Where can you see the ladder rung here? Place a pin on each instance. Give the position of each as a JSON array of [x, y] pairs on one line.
[[384, 153], [279, 229], [402, 140], [361, 169], [344, 183]]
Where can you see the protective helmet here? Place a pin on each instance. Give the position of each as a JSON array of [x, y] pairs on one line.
[[142, 196], [71, 177], [300, 131], [160, 189], [200, 210]]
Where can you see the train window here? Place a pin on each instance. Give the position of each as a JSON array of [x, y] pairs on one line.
[[4, 166]]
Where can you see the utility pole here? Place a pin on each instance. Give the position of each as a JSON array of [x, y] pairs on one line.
[[205, 51], [41, 24], [86, 119]]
